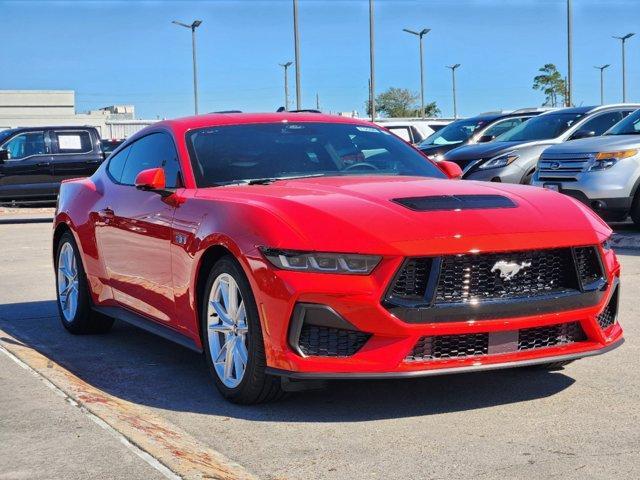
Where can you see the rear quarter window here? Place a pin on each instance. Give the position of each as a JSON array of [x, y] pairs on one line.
[[117, 162], [73, 141]]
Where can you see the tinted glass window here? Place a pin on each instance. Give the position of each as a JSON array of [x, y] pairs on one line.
[[116, 163], [73, 142], [456, 132], [25, 145], [629, 126], [543, 127], [153, 151], [602, 123], [239, 153]]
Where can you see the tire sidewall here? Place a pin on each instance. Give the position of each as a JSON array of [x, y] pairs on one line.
[[255, 346]]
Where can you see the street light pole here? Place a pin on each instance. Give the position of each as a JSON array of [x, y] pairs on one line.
[[286, 84], [453, 81], [601, 68], [372, 72], [296, 40], [624, 39], [569, 55], [420, 34], [192, 27]]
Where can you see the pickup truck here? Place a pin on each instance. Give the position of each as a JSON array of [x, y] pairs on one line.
[[34, 160]]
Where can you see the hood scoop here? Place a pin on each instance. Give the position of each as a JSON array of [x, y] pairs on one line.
[[455, 202]]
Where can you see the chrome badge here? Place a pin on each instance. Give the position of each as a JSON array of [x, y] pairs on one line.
[[508, 270]]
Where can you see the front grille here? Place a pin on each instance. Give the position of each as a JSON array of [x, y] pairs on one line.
[[411, 281], [330, 342], [608, 316], [550, 336], [469, 278], [478, 344], [562, 167], [588, 265], [450, 346]]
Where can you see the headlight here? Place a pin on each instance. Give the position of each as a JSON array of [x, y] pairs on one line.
[[606, 160], [344, 263], [500, 161]]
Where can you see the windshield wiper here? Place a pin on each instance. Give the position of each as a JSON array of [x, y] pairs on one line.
[[268, 180]]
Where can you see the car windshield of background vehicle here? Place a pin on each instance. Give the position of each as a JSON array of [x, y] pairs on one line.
[[628, 126], [456, 132], [542, 127], [5, 134], [240, 153]]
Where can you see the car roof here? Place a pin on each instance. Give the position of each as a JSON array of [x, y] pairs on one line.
[[214, 119]]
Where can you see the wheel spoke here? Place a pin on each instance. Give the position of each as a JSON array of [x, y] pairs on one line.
[[241, 351], [222, 315], [228, 360], [232, 305]]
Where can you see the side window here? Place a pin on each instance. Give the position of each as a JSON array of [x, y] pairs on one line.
[[73, 141], [403, 132], [116, 163], [602, 123], [499, 128], [25, 145], [153, 151]]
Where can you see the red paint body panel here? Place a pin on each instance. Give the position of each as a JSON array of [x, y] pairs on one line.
[[143, 252]]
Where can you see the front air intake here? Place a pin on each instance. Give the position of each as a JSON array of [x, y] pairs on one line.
[[455, 202]]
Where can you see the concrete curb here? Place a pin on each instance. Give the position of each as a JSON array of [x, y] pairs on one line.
[[170, 446]]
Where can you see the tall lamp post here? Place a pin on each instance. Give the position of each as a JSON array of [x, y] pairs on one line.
[[192, 27], [601, 68], [453, 82], [420, 34], [286, 83], [623, 40], [296, 42], [372, 70]]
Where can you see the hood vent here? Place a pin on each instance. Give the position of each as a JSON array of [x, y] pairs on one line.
[[455, 202]]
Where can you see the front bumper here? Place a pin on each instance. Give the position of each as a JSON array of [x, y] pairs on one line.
[[386, 352]]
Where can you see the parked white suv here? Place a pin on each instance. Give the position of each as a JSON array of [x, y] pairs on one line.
[[603, 172], [411, 130]]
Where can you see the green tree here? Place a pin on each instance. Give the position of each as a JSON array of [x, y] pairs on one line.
[[551, 83], [401, 102]]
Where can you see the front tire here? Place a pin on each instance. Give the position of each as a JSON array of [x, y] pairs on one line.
[[73, 300], [635, 209], [232, 337]]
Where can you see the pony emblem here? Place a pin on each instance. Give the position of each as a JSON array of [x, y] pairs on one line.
[[508, 270]]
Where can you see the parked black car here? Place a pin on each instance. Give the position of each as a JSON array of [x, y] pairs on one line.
[[34, 160], [479, 129]]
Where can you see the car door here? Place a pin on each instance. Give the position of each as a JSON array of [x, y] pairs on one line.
[[26, 173], [133, 229], [75, 154]]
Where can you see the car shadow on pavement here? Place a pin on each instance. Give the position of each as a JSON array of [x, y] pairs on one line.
[[136, 366]]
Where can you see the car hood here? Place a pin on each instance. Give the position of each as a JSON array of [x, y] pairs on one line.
[[605, 143], [359, 214], [491, 149], [437, 149]]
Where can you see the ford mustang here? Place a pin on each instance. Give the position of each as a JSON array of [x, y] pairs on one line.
[[295, 247]]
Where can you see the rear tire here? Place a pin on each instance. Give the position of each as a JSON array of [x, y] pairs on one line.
[[232, 337], [73, 298]]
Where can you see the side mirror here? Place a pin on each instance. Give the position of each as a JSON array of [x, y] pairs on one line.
[[486, 138], [152, 180], [583, 134], [450, 169], [4, 155]]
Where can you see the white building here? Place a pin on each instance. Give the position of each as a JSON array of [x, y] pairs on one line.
[[27, 108]]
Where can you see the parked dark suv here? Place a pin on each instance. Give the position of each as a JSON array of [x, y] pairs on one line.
[[482, 128], [34, 160]]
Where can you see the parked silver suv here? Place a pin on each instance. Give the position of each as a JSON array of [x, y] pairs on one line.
[[603, 172]]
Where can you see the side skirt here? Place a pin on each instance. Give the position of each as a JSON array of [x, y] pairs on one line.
[[150, 326]]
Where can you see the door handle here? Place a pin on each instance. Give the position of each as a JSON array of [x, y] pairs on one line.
[[93, 162], [106, 213], [43, 164]]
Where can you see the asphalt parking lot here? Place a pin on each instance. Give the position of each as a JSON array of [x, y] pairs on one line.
[[581, 422]]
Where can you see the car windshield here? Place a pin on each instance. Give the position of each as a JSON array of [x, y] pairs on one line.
[[542, 127], [269, 151], [4, 134], [628, 126], [455, 132]]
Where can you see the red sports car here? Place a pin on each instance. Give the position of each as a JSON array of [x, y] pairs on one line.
[[296, 246]]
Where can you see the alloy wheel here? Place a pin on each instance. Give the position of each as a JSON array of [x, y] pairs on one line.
[[227, 330], [68, 282]]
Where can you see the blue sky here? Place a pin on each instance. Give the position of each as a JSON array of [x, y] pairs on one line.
[[129, 52]]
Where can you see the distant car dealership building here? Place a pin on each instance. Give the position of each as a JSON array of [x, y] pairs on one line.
[[28, 108]]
